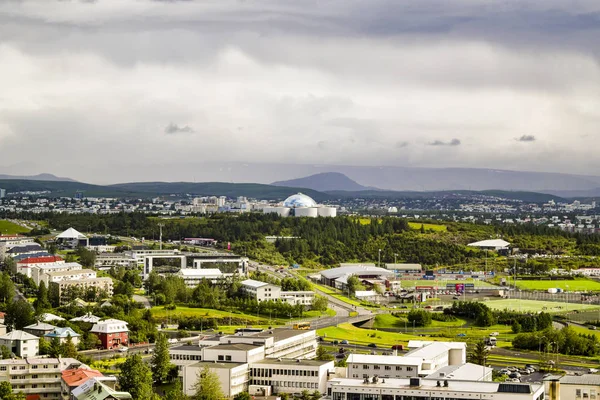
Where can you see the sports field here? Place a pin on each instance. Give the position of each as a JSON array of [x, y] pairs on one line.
[[442, 283], [9, 228], [576, 285], [536, 305]]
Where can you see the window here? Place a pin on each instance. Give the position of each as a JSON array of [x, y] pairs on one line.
[[220, 358], [578, 393], [227, 358], [365, 366], [387, 368], [398, 368], [409, 368]]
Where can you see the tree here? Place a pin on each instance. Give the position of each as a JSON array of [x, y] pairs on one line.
[[86, 257], [68, 348], [10, 265], [479, 354], [176, 393], [323, 355], [42, 303], [19, 314], [6, 353], [55, 348], [485, 318], [136, 378], [284, 396], [305, 395], [419, 317], [516, 327], [208, 386], [316, 395], [320, 303], [7, 288], [161, 363], [354, 284], [242, 396], [6, 390]]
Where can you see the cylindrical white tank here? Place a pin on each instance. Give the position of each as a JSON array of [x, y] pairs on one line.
[[306, 212], [282, 211], [327, 211]]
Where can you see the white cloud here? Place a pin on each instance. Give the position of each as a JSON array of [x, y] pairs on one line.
[[283, 83]]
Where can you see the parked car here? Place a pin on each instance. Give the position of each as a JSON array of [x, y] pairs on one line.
[[455, 298], [439, 308], [461, 335], [514, 375], [372, 345], [428, 307], [344, 342], [123, 349], [398, 347], [335, 342], [403, 306], [504, 371], [494, 333], [342, 350]]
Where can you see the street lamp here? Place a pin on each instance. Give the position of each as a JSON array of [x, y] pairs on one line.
[[379, 263], [395, 258]]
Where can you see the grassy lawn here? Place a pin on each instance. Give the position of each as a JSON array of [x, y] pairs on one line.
[[442, 283], [428, 227], [574, 285], [390, 321], [180, 311], [352, 302], [363, 336], [536, 305], [10, 228]]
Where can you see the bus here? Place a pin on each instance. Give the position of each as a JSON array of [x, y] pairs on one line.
[[302, 325]]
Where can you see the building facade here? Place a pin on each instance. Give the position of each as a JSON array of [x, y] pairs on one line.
[[113, 333]]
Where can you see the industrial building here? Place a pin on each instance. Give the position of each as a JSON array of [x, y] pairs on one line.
[[338, 277], [300, 205]]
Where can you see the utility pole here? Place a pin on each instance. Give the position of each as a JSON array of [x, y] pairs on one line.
[[379, 262], [160, 226]]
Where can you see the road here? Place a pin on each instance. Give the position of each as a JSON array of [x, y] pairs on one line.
[[142, 299]]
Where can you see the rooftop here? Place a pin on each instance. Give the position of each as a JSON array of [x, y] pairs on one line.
[[355, 270], [278, 333], [253, 283], [431, 384], [62, 333], [234, 346], [19, 335], [217, 365], [586, 379], [40, 326], [186, 347], [434, 349], [462, 372], [74, 272], [110, 326], [200, 272], [76, 377], [490, 243]]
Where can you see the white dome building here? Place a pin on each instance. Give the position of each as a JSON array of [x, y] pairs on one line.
[[301, 205]]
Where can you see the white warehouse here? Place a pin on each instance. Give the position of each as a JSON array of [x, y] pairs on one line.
[[301, 205]]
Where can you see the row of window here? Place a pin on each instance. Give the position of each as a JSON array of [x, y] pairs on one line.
[[285, 384], [23, 367], [262, 372], [387, 367], [585, 394], [186, 357]]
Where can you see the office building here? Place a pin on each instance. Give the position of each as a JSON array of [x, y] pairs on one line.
[[572, 387], [233, 377], [102, 285], [376, 388], [289, 375]]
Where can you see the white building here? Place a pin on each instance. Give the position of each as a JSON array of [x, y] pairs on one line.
[[572, 387], [279, 342], [67, 275], [193, 277], [290, 375], [232, 376], [37, 376], [338, 277], [366, 365], [304, 297], [38, 271], [366, 295], [375, 388], [21, 343], [493, 244], [261, 291], [300, 205], [436, 355]]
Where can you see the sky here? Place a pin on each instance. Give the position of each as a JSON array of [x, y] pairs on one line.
[[117, 90]]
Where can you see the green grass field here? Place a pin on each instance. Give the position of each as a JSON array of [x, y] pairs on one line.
[[428, 227], [363, 336], [10, 228], [390, 321], [536, 305], [181, 312], [574, 285]]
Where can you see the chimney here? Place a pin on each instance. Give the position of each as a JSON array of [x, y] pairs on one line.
[[446, 383]]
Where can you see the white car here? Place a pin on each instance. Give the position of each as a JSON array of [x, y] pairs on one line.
[[123, 349], [172, 340]]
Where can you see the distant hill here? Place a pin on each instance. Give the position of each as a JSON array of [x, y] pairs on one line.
[[39, 177], [255, 190], [326, 181], [528, 197]]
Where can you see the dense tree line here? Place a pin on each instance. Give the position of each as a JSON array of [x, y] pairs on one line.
[[524, 322], [566, 339]]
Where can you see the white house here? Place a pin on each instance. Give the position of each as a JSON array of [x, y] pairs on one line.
[[21, 343], [493, 244], [261, 291]]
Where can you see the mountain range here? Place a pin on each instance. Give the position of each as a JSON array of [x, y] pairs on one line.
[[39, 177], [324, 182]]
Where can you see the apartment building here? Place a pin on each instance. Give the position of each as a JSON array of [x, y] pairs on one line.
[[73, 378], [25, 265], [68, 275], [375, 388], [289, 375], [185, 355], [365, 365], [37, 376], [21, 344], [38, 271], [100, 284], [304, 297], [39, 329]]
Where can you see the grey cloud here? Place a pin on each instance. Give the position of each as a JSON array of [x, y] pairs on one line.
[[526, 138], [453, 142], [174, 129]]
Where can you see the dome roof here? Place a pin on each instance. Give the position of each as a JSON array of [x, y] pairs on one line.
[[299, 200]]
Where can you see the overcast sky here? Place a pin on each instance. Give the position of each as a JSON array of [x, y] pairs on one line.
[[117, 90]]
